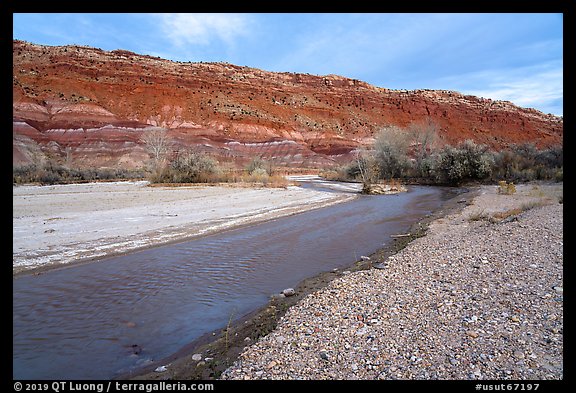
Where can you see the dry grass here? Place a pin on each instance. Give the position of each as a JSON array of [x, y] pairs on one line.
[[499, 216], [506, 188], [233, 180], [506, 214], [479, 216]]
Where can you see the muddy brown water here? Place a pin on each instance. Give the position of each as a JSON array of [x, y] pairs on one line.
[[106, 318]]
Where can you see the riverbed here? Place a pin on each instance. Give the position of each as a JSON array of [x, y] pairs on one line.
[[58, 225], [125, 312]]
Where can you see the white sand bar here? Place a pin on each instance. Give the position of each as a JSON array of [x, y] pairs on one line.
[[54, 225]]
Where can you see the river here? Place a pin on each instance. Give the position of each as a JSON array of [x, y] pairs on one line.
[[106, 318]]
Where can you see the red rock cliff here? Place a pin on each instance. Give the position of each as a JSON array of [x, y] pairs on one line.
[[92, 106]]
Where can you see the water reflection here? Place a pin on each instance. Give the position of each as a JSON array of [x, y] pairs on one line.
[[98, 320]]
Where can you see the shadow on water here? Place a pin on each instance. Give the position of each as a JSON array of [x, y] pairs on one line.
[[99, 320]]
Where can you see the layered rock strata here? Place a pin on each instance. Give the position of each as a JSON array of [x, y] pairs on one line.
[[91, 106]]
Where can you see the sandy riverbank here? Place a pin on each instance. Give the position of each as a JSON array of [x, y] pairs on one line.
[[62, 224]]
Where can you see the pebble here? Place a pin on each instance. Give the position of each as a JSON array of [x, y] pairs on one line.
[[519, 354], [429, 315], [197, 357], [362, 331], [288, 292], [272, 364]]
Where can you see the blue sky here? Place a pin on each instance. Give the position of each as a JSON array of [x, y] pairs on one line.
[[504, 56]]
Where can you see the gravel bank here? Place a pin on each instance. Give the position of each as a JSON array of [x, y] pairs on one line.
[[479, 297]]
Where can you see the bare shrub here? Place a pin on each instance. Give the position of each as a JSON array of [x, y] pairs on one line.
[[259, 164], [391, 152], [424, 142]]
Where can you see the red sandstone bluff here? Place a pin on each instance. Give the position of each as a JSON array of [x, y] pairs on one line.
[[92, 106]]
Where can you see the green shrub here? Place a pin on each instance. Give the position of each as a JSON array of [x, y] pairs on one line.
[[552, 157], [52, 173], [190, 167], [426, 166], [45, 176], [524, 162], [351, 171], [559, 175], [467, 161], [257, 164]]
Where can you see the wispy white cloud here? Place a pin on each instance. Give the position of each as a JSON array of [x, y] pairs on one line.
[[394, 46], [539, 86], [203, 29]]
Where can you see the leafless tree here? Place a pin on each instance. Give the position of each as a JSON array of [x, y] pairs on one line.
[[68, 153], [391, 151], [159, 145], [424, 137], [368, 169]]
